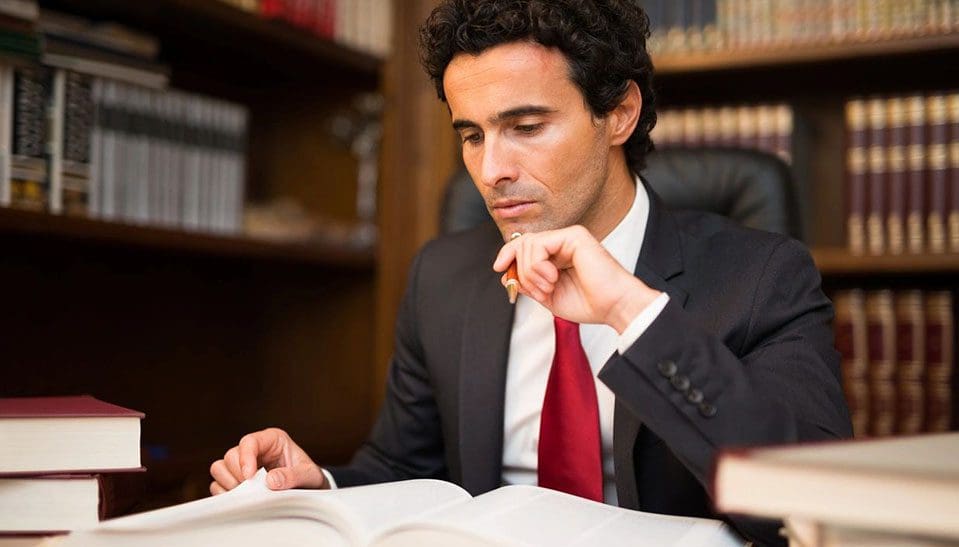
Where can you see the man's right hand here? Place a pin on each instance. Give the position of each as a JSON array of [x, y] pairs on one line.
[[288, 466]]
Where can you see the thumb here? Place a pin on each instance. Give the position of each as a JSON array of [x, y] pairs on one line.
[[304, 475]]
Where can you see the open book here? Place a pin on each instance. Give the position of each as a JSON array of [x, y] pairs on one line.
[[411, 513]]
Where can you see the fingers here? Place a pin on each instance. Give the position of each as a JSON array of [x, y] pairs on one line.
[[304, 475], [266, 447], [223, 478]]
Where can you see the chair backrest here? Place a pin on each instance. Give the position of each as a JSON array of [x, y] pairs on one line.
[[750, 187]]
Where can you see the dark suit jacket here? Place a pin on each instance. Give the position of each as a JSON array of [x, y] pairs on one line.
[[742, 355]]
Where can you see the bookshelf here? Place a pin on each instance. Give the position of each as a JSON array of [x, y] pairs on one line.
[[213, 336], [816, 80]]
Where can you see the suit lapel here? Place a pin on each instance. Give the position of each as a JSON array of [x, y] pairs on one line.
[[660, 261], [486, 335]]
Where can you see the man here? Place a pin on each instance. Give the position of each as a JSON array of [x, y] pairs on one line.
[[698, 334]]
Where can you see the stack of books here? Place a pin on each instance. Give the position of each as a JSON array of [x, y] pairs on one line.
[[66, 462], [879, 492]]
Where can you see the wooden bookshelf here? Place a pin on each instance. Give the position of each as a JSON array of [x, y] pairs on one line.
[[837, 261], [213, 336], [148, 238], [779, 56], [217, 24]]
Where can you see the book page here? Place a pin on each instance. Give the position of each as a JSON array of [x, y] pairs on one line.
[[528, 515], [356, 512]]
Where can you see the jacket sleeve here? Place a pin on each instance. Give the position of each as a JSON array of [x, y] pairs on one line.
[[782, 385], [406, 440]]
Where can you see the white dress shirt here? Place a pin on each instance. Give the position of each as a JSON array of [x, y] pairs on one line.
[[531, 350]]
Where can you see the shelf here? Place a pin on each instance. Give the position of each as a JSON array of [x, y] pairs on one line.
[[833, 261], [218, 24], [65, 228], [796, 54]]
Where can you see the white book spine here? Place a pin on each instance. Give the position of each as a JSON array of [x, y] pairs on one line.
[[55, 114], [6, 131]]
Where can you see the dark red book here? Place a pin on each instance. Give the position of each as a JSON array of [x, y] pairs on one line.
[[856, 175], [897, 188], [954, 172], [910, 362], [916, 173], [67, 435], [940, 330], [937, 174], [877, 209], [881, 340], [850, 328], [50, 504]]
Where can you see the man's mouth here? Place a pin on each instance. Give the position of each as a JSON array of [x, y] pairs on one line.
[[511, 208]]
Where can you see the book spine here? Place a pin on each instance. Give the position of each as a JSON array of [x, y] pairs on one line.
[[6, 128], [850, 330], [916, 173], [876, 177], [954, 170], [910, 362], [937, 162], [29, 181], [784, 132], [78, 121], [939, 360], [881, 339], [55, 114], [896, 176], [856, 175]]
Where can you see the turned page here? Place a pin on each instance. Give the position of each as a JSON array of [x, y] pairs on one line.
[[528, 515], [355, 513]]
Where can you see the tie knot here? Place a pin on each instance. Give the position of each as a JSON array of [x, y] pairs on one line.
[[566, 329]]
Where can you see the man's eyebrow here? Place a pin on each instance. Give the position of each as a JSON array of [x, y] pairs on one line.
[[500, 117]]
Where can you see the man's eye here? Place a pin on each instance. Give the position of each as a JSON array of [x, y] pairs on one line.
[[472, 138], [530, 128]]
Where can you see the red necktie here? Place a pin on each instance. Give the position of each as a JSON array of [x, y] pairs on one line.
[[569, 444]]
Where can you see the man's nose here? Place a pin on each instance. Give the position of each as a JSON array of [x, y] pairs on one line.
[[498, 165]]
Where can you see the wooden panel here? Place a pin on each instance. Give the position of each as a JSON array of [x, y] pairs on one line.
[[142, 238]]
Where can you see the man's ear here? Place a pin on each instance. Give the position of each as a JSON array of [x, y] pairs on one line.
[[623, 118]]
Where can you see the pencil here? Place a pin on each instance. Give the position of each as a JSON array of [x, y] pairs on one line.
[[512, 278]]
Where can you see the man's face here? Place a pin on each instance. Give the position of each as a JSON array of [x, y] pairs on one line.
[[536, 153]]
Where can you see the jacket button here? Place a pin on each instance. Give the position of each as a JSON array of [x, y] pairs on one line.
[[667, 368], [694, 396], [707, 409], [680, 382]]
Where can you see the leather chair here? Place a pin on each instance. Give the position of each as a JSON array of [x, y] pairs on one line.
[[751, 187]]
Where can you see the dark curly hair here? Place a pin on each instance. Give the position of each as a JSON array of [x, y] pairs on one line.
[[604, 42]]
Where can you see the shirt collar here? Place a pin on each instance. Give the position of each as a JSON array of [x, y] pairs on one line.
[[626, 239]]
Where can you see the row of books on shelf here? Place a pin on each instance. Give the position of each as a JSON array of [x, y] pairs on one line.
[[66, 463], [902, 173], [684, 26], [90, 129], [767, 127], [898, 361], [365, 25]]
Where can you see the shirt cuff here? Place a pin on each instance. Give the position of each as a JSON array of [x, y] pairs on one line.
[[642, 322], [329, 479]]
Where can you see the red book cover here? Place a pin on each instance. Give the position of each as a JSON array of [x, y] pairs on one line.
[[916, 173], [856, 175], [954, 172], [939, 360], [61, 407], [910, 362], [937, 162], [881, 339], [877, 209], [272, 9], [896, 176], [850, 329]]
